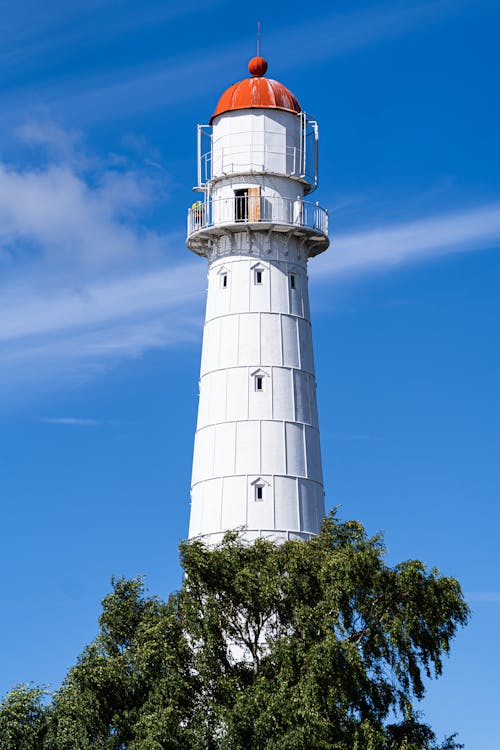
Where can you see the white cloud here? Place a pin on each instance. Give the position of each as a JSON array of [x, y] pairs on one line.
[[25, 314], [79, 333], [68, 339], [83, 282], [142, 87], [70, 421], [395, 244], [84, 285], [71, 219], [490, 597]]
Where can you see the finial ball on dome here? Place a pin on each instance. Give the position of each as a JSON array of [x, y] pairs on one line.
[[257, 66]]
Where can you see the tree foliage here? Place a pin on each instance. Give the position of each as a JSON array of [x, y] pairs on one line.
[[316, 644]]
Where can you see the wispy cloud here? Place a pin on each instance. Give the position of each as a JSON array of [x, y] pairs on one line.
[[78, 333], [70, 421], [393, 245], [348, 436], [88, 218], [57, 25], [25, 314], [99, 97], [487, 597], [85, 284]]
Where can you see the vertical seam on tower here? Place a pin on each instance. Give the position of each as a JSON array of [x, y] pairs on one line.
[[271, 391], [221, 503], [297, 341], [282, 348], [299, 509], [260, 446], [304, 445]]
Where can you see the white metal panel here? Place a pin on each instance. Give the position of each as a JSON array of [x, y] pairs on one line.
[[302, 396], [275, 149], [260, 297], [305, 296], [212, 505], [217, 402], [290, 343], [314, 402], [273, 447], [249, 339], [212, 281], [260, 513], [282, 394], [248, 448], [296, 302], [203, 454], [260, 402], [204, 401], [270, 339], [196, 513], [313, 454], [240, 286], [237, 393], [222, 295], [229, 341], [295, 450], [279, 288], [212, 348], [320, 505], [310, 518], [225, 445], [205, 349], [305, 344], [286, 503], [233, 502]]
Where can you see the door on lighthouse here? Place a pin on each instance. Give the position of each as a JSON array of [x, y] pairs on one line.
[[247, 204], [254, 204], [241, 205]]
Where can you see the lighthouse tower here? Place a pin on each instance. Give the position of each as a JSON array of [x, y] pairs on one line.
[[257, 459]]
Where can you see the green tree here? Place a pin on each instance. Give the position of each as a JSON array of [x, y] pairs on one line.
[[140, 657], [23, 719], [317, 645]]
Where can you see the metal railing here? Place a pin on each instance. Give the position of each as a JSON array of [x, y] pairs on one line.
[[250, 209], [223, 160], [221, 156]]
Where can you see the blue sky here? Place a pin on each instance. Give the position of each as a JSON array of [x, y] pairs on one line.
[[101, 305]]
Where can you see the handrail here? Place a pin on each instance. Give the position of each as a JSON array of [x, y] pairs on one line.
[[238, 152], [258, 209], [220, 161]]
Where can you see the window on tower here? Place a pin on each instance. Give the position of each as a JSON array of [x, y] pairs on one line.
[[259, 492], [292, 281], [259, 383], [223, 280], [258, 275]]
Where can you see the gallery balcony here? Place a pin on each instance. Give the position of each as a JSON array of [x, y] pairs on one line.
[[257, 212]]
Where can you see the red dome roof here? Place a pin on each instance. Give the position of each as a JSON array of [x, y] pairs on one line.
[[258, 92]]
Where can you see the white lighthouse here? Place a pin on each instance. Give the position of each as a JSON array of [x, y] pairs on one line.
[[257, 458]]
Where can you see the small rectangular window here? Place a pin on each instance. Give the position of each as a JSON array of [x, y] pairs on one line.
[[258, 276], [259, 383], [259, 492], [223, 281], [292, 281]]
